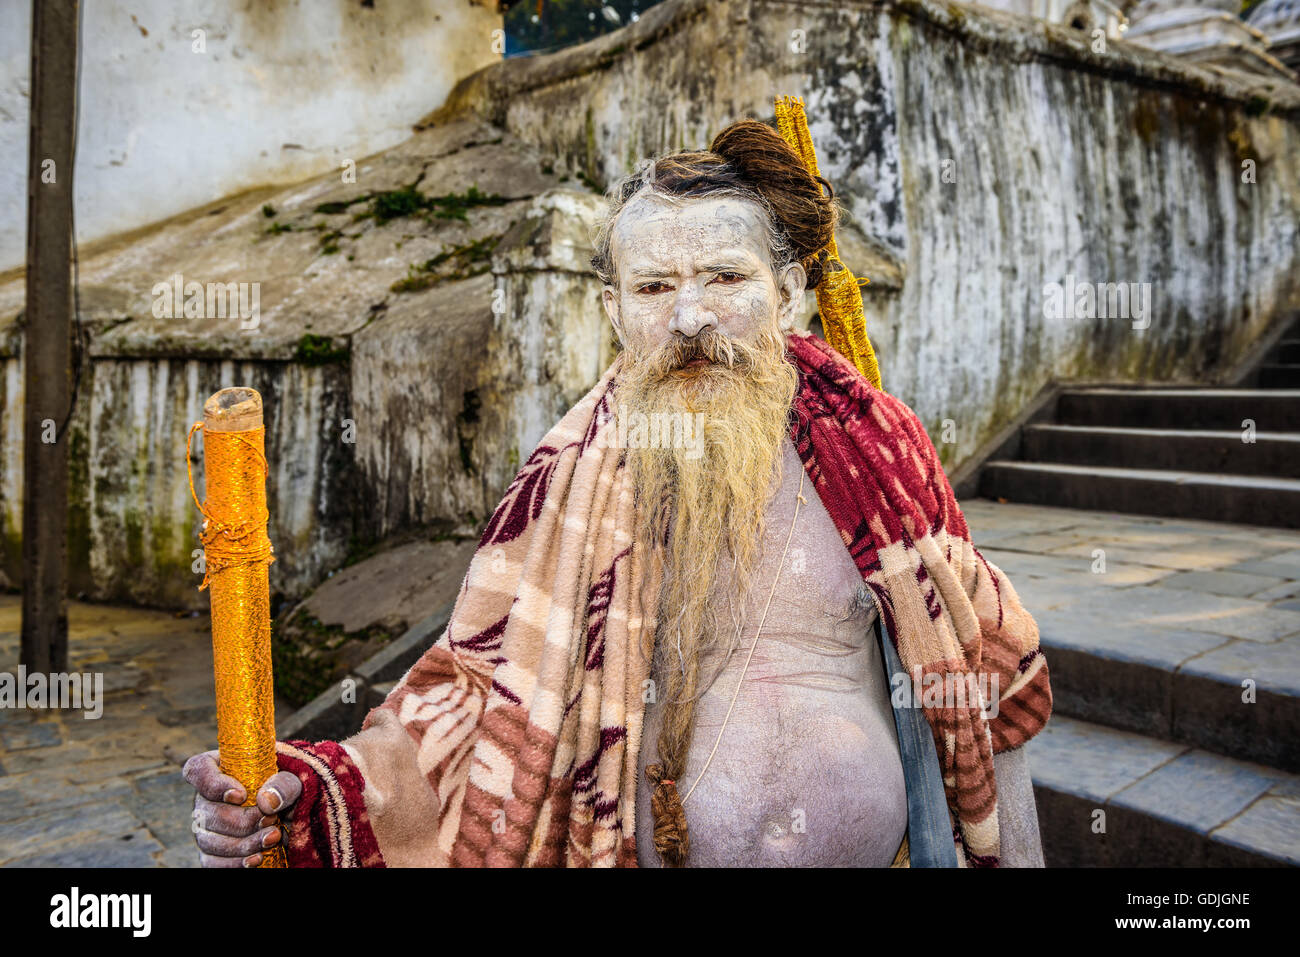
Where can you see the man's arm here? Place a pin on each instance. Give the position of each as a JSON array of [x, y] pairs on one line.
[[1017, 812], [400, 804]]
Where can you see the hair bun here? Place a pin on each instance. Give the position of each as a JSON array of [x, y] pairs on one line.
[[805, 213]]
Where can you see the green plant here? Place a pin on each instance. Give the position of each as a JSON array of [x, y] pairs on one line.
[[316, 350]]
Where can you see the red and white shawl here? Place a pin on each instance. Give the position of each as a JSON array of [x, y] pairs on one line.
[[525, 717]]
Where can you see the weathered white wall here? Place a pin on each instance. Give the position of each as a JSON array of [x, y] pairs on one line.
[[410, 413], [1119, 166], [282, 89], [1122, 167]]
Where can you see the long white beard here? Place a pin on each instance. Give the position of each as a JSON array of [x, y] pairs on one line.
[[710, 489]]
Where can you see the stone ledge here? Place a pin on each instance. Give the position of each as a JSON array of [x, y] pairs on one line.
[[1015, 37], [323, 262], [329, 716], [1164, 804]]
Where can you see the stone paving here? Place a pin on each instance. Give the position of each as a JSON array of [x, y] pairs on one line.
[[1211, 587], [77, 792], [1176, 612]]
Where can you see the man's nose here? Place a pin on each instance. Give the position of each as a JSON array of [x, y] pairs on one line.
[[690, 317]]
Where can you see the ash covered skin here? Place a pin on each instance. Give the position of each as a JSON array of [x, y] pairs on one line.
[[807, 770], [685, 269], [229, 835]]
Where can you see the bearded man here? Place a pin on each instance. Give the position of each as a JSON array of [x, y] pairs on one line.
[[708, 628]]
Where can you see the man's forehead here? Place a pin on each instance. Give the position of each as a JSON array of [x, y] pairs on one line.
[[650, 225]]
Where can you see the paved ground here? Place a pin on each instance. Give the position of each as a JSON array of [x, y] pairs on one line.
[[82, 792], [1153, 628], [79, 792], [1188, 591]]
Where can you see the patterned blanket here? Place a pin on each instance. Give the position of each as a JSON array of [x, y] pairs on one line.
[[525, 717]]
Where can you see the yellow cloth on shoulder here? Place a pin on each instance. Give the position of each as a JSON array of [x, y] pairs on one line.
[[839, 295]]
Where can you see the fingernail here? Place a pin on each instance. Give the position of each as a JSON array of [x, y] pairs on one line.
[[253, 860], [276, 798], [233, 796], [267, 820], [271, 838]]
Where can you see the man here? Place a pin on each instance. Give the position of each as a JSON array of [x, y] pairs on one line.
[[679, 636]]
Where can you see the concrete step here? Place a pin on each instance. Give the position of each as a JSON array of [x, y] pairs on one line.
[[1247, 499], [1279, 376], [376, 694], [1173, 664], [1287, 352], [1178, 631], [1270, 410], [1276, 453], [1109, 798]]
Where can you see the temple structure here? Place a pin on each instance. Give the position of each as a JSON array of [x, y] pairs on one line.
[[1207, 31], [1279, 20], [1086, 15], [1266, 41]]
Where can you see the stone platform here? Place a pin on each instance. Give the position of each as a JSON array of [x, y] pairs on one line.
[[1174, 648]]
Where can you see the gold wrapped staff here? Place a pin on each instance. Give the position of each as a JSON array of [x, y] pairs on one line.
[[839, 295], [237, 554]]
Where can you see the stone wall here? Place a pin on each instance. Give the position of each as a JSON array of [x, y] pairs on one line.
[[980, 156], [408, 363], [421, 328], [183, 102]]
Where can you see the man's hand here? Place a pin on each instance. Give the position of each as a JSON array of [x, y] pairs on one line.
[[229, 835]]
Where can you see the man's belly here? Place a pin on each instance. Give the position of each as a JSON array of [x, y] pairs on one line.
[[798, 780], [807, 771]]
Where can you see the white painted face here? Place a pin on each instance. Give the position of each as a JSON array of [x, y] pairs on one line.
[[702, 265]]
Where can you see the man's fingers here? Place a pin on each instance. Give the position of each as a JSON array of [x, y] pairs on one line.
[[229, 835], [279, 793], [219, 845], [203, 774], [207, 860], [228, 819]]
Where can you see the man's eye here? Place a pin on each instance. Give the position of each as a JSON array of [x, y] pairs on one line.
[[650, 287], [730, 277]]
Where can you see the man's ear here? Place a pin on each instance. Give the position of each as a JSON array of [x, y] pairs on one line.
[[609, 299], [794, 280]]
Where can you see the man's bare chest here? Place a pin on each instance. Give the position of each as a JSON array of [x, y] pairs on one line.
[[807, 769]]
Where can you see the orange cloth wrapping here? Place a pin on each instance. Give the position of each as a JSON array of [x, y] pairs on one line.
[[237, 554], [839, 296]]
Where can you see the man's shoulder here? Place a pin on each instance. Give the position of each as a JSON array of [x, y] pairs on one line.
[[830, 363]]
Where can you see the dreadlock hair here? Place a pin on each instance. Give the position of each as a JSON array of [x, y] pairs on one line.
[[748, 159]]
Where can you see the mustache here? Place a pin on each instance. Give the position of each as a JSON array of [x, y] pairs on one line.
[[712, 346]]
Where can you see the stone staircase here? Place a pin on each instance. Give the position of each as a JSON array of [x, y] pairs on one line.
[[1176, 660], [1222, 454], [1281, 368]]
